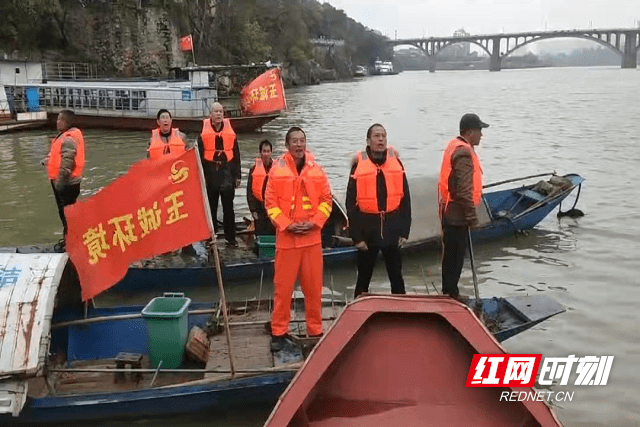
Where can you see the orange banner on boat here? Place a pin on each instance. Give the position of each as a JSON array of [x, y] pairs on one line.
[[158, 206], [186, 43], [263, 95]]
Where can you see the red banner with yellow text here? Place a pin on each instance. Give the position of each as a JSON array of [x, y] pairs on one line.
[[263, 95], [158, 206]]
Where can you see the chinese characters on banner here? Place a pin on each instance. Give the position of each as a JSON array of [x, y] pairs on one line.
[[520, 370], [186, 43], [157, 207], [263, 95]]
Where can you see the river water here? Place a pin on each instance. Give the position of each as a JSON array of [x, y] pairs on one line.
[[571, 120]]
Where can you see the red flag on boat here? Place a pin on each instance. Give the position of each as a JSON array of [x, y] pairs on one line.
[[158, 206], [263, 95], [186, 43]]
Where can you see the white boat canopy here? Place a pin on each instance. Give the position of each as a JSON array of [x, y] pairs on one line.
[[28, 287]]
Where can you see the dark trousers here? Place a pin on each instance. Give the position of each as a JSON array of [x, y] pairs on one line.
[[65, 197], [228, 216], [454, 248], [366, 262], [263, 225]]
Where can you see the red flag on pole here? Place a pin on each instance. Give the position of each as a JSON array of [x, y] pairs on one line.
[[158, 206], [263, 95], [186, 43]]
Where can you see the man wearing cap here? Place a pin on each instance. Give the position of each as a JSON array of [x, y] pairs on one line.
[[459, 194]]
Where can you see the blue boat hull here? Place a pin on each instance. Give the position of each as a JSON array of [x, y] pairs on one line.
[[221, 395]]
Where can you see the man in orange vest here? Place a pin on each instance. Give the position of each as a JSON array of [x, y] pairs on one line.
[[298, 201], [256, 186], [379, 209], [165, 139], [65, 164], [220, 157], [459, 194]]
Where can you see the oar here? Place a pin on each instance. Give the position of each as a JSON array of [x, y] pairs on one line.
[[473, 270], [506, 181]]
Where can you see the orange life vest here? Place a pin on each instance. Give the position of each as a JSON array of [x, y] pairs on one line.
[[297, 198], [366, 182], [208, 136], [259, 176], [157, 146], [55, 154], [444, 196]]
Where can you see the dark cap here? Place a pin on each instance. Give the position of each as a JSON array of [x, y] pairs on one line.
[[471, 121]]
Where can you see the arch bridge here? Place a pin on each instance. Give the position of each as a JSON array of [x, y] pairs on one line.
[[626, 42]]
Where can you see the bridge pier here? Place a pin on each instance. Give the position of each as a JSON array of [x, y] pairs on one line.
[[629, 56], [432, 65], [495, 60]]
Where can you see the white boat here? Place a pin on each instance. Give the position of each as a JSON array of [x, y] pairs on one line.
[[360, 71], [133, 104], [383, 67]]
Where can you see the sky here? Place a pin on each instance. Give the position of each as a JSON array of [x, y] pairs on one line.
[[439, 18]]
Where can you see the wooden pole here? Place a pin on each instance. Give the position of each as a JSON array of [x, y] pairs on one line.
[[473, 269], [506, 181], [216, 257]]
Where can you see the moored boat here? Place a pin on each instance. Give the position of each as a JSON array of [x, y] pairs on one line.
[[133, 103], [64, 362], [402, 360], [503, 213]]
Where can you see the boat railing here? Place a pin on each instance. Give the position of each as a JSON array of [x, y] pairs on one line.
[[69, 70], [109, 100]]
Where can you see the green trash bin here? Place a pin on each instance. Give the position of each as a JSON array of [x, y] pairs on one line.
[[167, 321]]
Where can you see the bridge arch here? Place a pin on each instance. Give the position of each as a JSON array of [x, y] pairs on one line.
[[577, 36]]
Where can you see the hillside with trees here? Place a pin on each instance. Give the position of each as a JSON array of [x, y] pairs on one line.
[[141, 37]]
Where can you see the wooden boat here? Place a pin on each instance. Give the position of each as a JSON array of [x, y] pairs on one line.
[[390, 360], [133, 104], [503, 213], [59, 364]]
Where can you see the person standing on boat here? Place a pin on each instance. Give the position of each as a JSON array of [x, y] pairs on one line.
[[65, 164], [379, 209], [220, 155], [165, 139], [256, 186], [298, 201], [459, 194]]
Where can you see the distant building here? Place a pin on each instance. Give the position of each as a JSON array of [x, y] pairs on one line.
[[460, 50]]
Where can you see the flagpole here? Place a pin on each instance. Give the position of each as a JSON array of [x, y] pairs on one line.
[[216, 257], [193, 51]]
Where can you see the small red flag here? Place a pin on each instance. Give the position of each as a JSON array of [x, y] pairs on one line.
[[158, 206], [186, 43], [263, 95]]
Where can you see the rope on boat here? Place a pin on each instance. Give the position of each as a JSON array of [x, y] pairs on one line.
[[560, 213]]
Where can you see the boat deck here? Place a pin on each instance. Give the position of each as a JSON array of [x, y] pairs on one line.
[[250, 346]]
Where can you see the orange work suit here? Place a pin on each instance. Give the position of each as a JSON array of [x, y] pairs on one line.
[[290, 198]]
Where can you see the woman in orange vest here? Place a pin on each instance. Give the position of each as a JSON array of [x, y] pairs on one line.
[[256, 186], [459, 194], [379, 209], [165, 139], [298, 201], [65, 164], [220, 157]]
